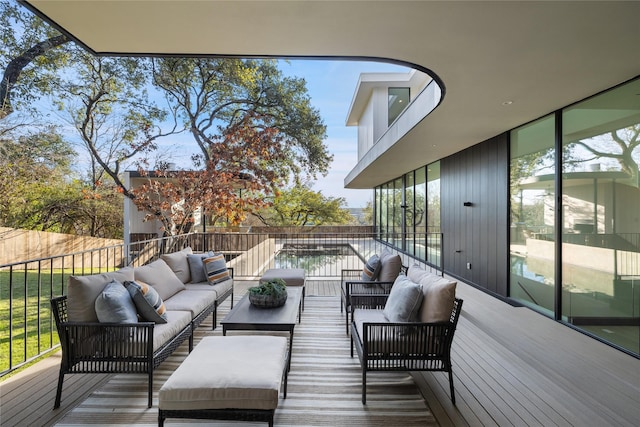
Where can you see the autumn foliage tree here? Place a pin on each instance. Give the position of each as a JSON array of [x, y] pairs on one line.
[[233, 180]]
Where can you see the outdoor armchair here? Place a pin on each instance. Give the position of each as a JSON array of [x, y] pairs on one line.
[[380, 272]]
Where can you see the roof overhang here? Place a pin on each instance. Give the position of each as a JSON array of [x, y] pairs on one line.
[[538, 56]]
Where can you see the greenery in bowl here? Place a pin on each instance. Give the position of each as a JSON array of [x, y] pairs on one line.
[[273, 287]]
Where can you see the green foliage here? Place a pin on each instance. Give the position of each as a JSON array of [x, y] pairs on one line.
[[274, 287], [300, 206]]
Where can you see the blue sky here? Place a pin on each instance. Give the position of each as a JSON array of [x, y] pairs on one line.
[[331, 85]]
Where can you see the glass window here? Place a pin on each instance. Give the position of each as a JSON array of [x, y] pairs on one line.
[[532, 203], [432, 220], [409, 213], [398, 101], [601, 215], [396, 211]]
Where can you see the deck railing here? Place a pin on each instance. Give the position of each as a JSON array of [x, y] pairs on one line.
[[27, 329]]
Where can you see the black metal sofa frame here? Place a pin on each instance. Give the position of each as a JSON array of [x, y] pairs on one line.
[[115, 348], [411, 346]]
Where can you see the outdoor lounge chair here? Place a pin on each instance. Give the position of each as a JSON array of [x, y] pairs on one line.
[[376, 277]]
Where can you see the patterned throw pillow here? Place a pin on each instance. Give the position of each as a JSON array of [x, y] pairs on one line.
[[196, 266], [148, 303], [371, 268], [114, 305], [216, 268]]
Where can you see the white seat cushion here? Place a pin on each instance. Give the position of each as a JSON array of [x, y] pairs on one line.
[[193, 301], [240, 372]]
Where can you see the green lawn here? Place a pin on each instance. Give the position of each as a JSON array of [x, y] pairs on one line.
[[24, 298]]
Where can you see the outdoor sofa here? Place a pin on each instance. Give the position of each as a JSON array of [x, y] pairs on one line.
[[132, 319], [410, 328]]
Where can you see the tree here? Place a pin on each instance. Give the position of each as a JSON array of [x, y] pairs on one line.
[[173, 197], [39, 190], [300, 206], [210, 94], [31, 56]]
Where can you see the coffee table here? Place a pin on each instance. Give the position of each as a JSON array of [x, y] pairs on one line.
[[245, 317]]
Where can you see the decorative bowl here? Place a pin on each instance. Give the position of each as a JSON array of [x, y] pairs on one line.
[[267, 301]]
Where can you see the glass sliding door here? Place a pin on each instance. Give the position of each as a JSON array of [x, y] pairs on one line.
[[601, 215], [532, 214]]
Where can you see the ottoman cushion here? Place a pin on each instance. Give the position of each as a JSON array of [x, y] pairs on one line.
[[292, 276], [237, 372]]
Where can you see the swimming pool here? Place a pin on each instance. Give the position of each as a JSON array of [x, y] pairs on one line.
[[318, 259]]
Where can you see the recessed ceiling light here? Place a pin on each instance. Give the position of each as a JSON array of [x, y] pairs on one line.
[[507, 103]]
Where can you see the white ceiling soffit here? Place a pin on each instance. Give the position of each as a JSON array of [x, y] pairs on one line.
[[538, 55]]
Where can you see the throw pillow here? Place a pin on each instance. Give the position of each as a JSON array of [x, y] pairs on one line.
[[84, 290], [196, 266], [148, 303], [114, 305], [439, 297], [177, 262], [161, 277], [371, 268], [390, 267], [216, 268], [404, 301]]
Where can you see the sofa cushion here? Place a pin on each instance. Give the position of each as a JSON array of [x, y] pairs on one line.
[[404, 301], [220, 288], [114, 304], [438, 300], [148, 303], [177, 262], [216, 268], [83, 291], [161, 277], [176, 322], [390, 266], [371, 268], [196, 266], [419, 275], [192, 301]]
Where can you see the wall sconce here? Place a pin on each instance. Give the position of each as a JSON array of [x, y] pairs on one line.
[[467, 204]]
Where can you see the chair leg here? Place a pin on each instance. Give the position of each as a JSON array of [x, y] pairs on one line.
[[150, 398], [56, 404], [364, 386], [453, 396]]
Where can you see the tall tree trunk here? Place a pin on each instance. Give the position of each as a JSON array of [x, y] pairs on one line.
[[17, 64]]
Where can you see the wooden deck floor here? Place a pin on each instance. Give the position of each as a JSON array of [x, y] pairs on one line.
[[512, 367]]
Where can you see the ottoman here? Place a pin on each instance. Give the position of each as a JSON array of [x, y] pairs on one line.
[[227, 378], [292, 276]]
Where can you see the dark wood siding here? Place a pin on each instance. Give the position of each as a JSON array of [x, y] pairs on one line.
[[477, 234]]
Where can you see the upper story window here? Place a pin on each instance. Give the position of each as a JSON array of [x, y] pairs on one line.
[[398, 101]]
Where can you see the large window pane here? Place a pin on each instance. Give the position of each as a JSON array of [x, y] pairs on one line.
[[409, 213], [420, 214], [434, 243], [397, 212], [601, 215], [532, 188]]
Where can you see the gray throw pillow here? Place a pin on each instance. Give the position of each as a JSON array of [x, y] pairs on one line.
[[196, 266], [114, 305], [148, 303], [404, 301]]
